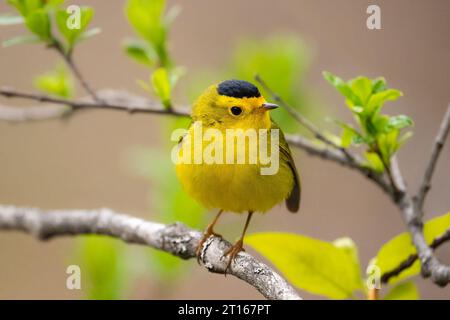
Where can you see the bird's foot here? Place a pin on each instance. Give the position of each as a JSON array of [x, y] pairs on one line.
[[232, 253], [208, 233]]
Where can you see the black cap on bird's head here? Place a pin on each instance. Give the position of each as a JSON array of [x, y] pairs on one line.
[[238, 89]]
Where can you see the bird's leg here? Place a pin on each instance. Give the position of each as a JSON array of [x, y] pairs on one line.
[[238, 246], [208, 232]]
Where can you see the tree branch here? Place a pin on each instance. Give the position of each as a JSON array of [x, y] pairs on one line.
[[333, 155], [176, 239], [408, 262], [109, 99], [430, 265], [436, 151]]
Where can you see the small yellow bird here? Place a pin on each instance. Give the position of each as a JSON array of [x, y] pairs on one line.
[[236, 187]]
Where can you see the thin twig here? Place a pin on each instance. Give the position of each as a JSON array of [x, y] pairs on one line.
[[436, 151], [397, 175], [68, 58], [302, 119], [176, 239], [333, 155]]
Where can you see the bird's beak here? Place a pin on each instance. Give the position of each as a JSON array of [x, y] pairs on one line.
[[269, 106]]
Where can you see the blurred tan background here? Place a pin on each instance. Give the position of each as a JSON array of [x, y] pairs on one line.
[[78, 163]]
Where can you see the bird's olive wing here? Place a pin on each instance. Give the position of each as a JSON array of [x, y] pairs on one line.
[[293, 201]]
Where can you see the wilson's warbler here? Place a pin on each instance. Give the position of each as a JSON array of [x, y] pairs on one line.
[[236, 187]]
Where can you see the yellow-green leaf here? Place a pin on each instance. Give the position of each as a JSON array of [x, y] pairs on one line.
[[403, 291], [39, 23], [378, 99], [140, 52], [342, 87], [362, 88], [147, 18], [161, 85], [313, 265], [399, 248], [57, 82], [374, 162], [73, 25]]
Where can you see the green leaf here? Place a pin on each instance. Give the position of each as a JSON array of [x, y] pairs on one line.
[[53, 3], [381, 124], [403, 291], [362, 88], [9, 20], [347, 137], [39, 23], [398, 249], [342, 87], [89, 34], [377, 100], [72, 25], [379, 85], [57, 82], [399, 122], [19, 5], [374, 161], [25, 7], [313, 265], [29, 38], [147, 19], [140, 52], [404, 138], [388, 144], [349, 246], [161, 84]]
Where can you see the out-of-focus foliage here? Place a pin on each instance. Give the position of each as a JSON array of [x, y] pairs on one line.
[[39, 17], [399, 248], [57, 82], [152, 23], [380, 133], [169, 203], [102, 265], [281, 60], [328, 269], [147, 17]]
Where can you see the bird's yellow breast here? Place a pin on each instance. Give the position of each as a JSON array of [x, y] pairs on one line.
[[236, 187]]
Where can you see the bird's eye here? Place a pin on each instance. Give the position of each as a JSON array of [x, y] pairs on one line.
[[236, 111]]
